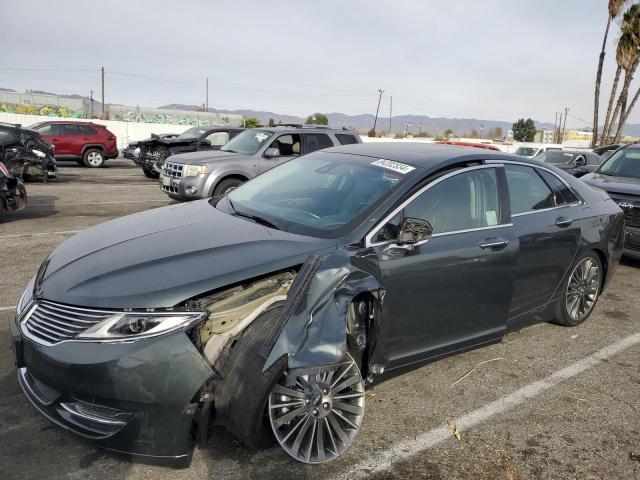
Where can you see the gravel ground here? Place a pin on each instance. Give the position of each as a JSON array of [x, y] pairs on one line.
[[584, 427]]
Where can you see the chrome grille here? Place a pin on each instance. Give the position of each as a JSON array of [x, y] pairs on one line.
[[171, 169], [51, 322], [631, 214]]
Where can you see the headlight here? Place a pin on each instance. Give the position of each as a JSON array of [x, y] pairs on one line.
[[26, 298], [195, 170], [132, 325]]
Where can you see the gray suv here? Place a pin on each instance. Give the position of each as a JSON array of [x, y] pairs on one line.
[[188, 176]]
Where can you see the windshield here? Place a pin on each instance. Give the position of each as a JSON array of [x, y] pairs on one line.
[[556, 157], [623, 163], [526, 151], [195, 132], [317, 194], [247, 142]]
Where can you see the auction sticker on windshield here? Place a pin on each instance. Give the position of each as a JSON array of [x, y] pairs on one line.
[[402, 168]]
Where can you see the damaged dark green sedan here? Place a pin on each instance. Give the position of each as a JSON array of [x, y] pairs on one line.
[[271, 309]]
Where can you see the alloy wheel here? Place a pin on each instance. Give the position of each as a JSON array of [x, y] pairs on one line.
[[582, 290], [319, 417], [94, 159]]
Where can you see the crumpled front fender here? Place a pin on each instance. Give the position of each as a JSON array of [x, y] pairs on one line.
[[313, 328]]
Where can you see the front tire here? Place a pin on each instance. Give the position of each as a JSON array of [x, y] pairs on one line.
[[580, 291], [93, 158], [150, 173], [226, 185]]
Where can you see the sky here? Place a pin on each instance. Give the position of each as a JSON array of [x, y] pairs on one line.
[[489, 59]]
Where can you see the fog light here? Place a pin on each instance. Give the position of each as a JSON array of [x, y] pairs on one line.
[[191, 190]]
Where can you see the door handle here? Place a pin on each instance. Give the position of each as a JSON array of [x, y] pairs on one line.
[[563, 221], [494, 243]]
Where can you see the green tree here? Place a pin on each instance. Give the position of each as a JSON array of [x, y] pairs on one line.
[[251, 122], [317, 119], [272, 123], [371, 133], [614, 10], [524, 130], [448, 133]]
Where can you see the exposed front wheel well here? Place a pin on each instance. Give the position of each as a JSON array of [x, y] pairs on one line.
[[227, 182], [605, 267]]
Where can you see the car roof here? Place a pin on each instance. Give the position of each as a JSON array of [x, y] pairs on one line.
[[75, 122], [426, 155], [306, 129]]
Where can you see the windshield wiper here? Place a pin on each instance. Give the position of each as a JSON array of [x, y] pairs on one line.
[[255, 218]]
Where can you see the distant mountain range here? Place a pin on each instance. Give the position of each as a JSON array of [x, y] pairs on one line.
[[364, 122]]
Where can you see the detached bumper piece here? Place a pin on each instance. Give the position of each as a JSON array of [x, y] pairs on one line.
[[91, 421]]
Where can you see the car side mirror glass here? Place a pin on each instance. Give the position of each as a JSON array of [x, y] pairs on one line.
[[580, 162], [413, 230], [272, 152]]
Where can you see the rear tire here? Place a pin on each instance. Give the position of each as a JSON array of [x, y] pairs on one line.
[[242, 395], [226, 185], [150, 173], [580, 290], [93, 158]]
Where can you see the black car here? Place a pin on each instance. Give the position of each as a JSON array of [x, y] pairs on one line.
[[13, 195], [607, 150], [619, 176], [25, 154], [130, 150], [575, 162], [155, 150], [273, 307]]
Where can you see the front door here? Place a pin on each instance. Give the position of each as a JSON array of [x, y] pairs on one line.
[[289, 146], [453, 291]]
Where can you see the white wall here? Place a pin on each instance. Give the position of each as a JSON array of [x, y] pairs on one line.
[[124, 131]]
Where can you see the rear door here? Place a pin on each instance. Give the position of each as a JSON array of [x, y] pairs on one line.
[[548, 229], [71, 139]]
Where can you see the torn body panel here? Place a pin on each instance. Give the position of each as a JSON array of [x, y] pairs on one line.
[[314, 327]]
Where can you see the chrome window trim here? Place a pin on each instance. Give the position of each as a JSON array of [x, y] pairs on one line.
[[398, 209]]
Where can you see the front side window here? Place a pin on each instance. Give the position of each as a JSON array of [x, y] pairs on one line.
[[465, 201], [527, 190], [288, 144], [50, 129], [623, 163], [218, 138], [248, 142], [7, 136]]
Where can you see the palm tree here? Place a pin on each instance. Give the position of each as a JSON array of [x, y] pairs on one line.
[[614, 10], [631, 30]]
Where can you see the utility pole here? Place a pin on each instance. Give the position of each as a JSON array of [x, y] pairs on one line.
[[564, 125], [375, 121], [420, 127], [207, 96], [390, 113], [481, 129], [102, 116], [91, 100], [554, 128]]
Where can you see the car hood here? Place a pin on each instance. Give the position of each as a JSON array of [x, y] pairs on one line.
[[624, 185], [164, 256], [207, 157]]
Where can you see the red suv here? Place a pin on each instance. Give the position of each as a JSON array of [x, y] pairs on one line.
[[88, 143]]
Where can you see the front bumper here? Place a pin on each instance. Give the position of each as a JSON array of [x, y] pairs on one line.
[[137, 398], [185, 188]]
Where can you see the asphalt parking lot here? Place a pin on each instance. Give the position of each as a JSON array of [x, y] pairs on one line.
[[548, 402]]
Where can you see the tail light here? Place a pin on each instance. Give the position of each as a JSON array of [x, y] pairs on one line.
[[5, 171]]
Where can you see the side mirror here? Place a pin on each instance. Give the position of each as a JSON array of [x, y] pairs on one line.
[[205, 141], [272, 152], [413, 230], [580, 162]]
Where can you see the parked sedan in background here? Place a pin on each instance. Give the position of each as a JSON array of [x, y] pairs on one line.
[[531, 150], [606, 151], [254, 151], [88, 143], [154, 151], [575, 162], [619, 175], [273, 307], [132, 151]]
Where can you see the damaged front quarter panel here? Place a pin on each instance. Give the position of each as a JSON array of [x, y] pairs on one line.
[[313, 329]]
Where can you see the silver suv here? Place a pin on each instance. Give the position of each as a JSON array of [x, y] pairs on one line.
[[188, 176]]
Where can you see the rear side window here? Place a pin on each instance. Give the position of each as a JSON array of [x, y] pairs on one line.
[[317, 141], [69, 129], [346, 139], [527, 191], [87, 130], [564, 195]]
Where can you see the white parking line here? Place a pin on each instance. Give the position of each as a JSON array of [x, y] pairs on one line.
[[39, 233], [95, 203], [380, 461], [10, 307]]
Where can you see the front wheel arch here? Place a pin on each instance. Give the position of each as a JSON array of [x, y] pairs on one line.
[[241, 178]]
